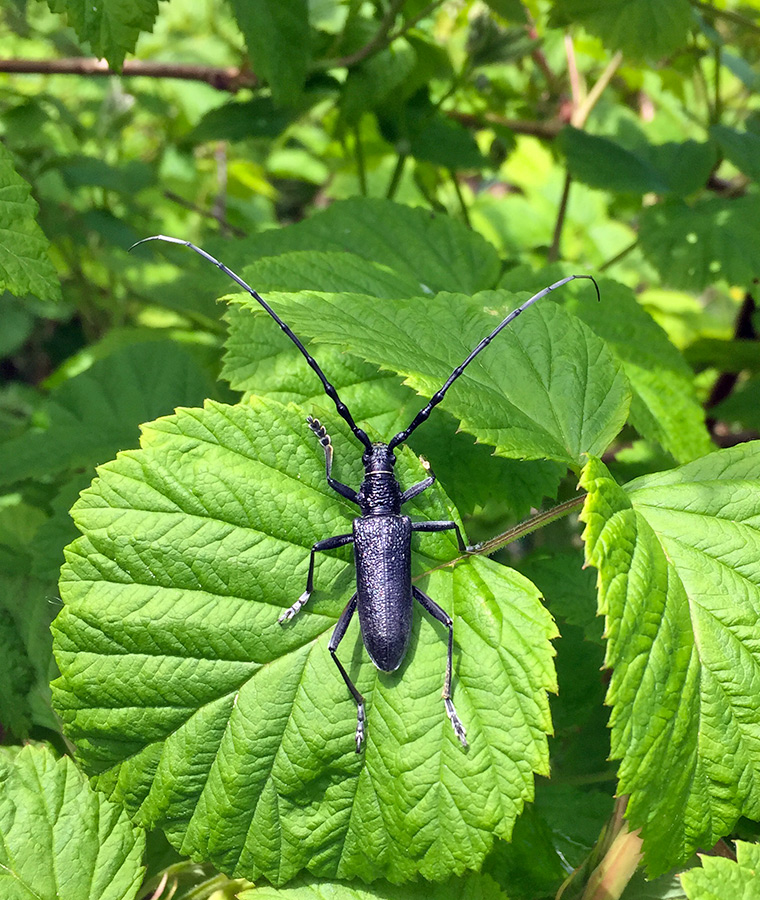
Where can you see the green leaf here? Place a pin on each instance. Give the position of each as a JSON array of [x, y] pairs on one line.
[[695, 246], [742, 406], [568, 396], [111, 27], [472, 887], [59, 839], [182, 690], [601, 162], [642, 29], [331, 271], [235, 121], [278, 38], [25, 267], [261, 360], [18, 678], [675, 168], [508, 9], [679, 584], [95, 414], [665, 406], [720, 877], [434, 251], [742, 148]]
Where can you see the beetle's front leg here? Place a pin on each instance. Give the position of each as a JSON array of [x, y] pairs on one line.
[[324, 439], [416, 489], [332, 543]]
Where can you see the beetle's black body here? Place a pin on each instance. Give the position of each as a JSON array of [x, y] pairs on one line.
[[381, 534]]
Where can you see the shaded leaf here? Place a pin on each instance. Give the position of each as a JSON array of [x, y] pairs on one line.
[[95, 414], [278, 38], [742, 148], [643, 29], [693, 246], [59, 839]]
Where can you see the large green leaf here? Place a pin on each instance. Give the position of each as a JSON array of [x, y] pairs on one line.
[[720, 878], [278, 38], [644, 29], [93, 415], [235, 734], [677, 168], [693, 246], [261, 360], [679, 585], [25, 267], [434, 251], [548, 389], [111, 27], [59, 839], [664, 406]]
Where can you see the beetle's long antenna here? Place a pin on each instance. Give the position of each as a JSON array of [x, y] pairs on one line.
[[329, 389], [437, 397]]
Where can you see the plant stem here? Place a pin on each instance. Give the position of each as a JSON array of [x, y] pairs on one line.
[[396, 177], [460, 197], [728, 14], [489, 547], [618, 256], [360, 167], [553, 254]]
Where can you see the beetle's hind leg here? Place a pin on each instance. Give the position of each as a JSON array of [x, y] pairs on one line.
[[437, 613], [337, 636]]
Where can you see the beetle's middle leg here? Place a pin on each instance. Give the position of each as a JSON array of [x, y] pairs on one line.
[[340, 540], [337, 636], [442, 616]]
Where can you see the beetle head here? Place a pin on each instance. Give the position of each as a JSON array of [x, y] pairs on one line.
[[379, 458]]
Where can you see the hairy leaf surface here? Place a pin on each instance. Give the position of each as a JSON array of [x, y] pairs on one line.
[[59, 839], [679, 585], [235, 734]]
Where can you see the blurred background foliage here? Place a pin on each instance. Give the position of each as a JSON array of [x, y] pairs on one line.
[[620, 138]]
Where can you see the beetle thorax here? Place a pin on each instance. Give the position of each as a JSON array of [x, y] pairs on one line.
[[379, 494]]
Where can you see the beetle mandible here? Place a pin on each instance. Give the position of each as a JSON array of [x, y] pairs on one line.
[[381, 534]]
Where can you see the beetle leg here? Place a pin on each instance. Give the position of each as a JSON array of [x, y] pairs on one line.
[[416, 489], [436, 612], [442, 526], [337, 637], [339, 540], [324, 439]]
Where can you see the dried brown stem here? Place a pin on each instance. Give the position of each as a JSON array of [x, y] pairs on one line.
[[230, 79]]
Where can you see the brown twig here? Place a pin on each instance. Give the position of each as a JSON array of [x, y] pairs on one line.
[[230, 79], [547, 130]]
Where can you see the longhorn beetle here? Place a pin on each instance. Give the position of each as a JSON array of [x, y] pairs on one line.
[[381, 535]]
